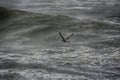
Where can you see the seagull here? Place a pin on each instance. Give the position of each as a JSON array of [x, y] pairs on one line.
[[67, 38]]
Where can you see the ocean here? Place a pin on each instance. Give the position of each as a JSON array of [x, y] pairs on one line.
[[31, 48]]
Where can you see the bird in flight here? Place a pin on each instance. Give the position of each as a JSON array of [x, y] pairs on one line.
[[65, 39]]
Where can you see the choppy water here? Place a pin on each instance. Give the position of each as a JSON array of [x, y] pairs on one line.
[[66, 7], [31, 49]]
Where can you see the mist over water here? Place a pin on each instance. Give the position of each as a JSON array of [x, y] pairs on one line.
[[31, 48]]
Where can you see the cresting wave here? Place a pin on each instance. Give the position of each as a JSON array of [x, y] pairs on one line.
[[31, 49]]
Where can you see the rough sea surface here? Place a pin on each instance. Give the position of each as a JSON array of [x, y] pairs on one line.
[[31, 48]]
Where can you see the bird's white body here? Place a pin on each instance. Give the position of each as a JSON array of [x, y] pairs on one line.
[[65, 39]]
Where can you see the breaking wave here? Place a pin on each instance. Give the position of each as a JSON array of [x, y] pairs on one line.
[[31, 49]]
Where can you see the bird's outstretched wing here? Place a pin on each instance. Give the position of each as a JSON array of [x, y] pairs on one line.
[[61, 35], [69, 36]]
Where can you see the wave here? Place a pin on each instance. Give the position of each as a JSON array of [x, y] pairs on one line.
[[31, 47]]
